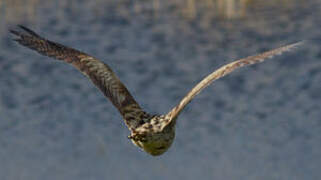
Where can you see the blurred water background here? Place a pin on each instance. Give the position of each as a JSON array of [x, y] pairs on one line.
[[261, 122]]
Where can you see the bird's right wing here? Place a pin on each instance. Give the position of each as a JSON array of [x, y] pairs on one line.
[[99, 73], [224, 70]]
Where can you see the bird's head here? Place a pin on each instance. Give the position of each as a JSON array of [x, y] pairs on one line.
[[152, 137]]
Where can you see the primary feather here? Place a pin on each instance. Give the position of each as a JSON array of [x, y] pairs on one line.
[[224, 70], [98, 72]]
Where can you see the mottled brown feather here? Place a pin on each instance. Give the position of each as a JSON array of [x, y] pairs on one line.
[[99, 73], [222, 71], [154, 134]]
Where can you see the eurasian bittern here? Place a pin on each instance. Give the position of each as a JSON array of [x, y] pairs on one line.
[[153, 133]]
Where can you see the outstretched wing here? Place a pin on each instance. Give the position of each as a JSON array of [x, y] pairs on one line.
[[99, 73], [224, 70]]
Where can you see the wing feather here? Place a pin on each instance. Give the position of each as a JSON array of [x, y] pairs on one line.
[[222, 71], [99, 73]]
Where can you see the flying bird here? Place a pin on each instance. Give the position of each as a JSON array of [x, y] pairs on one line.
[[151, 132]]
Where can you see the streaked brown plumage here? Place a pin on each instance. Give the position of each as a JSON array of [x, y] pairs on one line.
[[152, 133]]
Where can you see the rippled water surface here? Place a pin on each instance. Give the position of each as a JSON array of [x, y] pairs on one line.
[[261, 122]]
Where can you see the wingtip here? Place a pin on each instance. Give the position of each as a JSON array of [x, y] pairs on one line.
[[299, 43], [29, 31], [292, 46], [26, 31], [21, 26], [14, 32]]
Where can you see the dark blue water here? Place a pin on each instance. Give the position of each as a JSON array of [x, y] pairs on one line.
[[261, 122]]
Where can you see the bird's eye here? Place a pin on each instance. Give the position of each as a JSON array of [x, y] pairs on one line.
[[160, 148]]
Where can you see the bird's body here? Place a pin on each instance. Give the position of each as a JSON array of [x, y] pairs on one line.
[[153, 133], [152, 137]]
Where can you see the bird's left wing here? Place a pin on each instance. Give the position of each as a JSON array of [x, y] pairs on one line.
[[224, 70], [99, 73]]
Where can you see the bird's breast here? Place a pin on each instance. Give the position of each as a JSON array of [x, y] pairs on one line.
[[157, 143]]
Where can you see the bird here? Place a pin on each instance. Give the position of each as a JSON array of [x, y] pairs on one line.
[[153, 133]]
